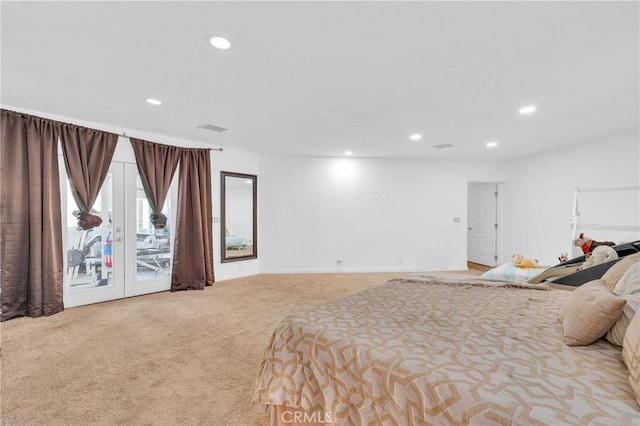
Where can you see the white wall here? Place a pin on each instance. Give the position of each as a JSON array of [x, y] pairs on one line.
[[539, 194], [238, 162], [374, 215]]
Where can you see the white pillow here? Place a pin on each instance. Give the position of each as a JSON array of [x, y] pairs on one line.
[[616, 333], [629, 283]]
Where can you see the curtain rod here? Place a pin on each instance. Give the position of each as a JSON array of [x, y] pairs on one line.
[[124, 135]]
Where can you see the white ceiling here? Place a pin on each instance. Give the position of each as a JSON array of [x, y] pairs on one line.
[[318, 78]]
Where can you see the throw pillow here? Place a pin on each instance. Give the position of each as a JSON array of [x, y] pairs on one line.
[[616, 333], [631, 354], [613, 274], [629, 283], [588, 312]]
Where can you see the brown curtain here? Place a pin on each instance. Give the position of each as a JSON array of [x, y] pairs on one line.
[[87, 157], [31, 259], [193, 249], [157, 164]]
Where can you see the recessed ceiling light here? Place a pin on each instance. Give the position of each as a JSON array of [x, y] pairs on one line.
[[153, 101], [527, 109], [492, 144], [415, 137], [220, 43], [348, 153]]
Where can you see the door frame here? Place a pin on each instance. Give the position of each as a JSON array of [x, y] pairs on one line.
[[124, 240]]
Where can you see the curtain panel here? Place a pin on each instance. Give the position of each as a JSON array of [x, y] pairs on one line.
[[156, 164], [31, 259], [193, 247], [87, 157]]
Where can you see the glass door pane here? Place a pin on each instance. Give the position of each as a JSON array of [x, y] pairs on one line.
[[153, 246], [148, 250]]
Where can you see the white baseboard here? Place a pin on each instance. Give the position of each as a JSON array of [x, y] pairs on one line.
[[338, 270], [235, 275], [390, 269], [458, 268]]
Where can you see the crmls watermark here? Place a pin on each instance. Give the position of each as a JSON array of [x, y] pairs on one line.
[[305, 417]]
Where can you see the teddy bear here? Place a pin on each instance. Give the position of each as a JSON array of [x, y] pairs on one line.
[[521, 262], [588, 245]]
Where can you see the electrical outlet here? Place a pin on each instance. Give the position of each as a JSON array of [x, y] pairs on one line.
[[456, 220]]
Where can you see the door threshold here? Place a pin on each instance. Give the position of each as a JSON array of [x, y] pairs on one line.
[[478, 266]]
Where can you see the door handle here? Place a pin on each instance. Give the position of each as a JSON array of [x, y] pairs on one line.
[[469, 228], [118, 239]]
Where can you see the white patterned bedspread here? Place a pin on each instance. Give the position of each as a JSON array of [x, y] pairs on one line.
[[426, 351]]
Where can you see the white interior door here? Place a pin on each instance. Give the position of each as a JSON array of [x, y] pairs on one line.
[[126, 256], [483, 221]]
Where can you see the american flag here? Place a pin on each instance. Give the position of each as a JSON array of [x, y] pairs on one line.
[[108, 251]]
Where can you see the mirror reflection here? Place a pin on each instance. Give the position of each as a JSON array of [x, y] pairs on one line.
[[238, 216]]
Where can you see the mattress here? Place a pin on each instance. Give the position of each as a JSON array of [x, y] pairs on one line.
[[433, 351]]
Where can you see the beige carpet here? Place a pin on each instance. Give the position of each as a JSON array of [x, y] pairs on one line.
[[185, 358]]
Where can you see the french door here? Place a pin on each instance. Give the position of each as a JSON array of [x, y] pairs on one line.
[[125, 256]]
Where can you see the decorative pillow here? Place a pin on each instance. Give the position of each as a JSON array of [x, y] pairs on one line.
[[631, 354], [630, 281], [613, 274], [510, 272], [588, 312], [616, 333]]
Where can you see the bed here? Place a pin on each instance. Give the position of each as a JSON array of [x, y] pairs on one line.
[[424, 350]]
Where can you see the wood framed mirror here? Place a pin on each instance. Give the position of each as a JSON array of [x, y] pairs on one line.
[[238, 216]]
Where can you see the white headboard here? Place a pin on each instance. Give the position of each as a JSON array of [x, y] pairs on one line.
[[605, 214]]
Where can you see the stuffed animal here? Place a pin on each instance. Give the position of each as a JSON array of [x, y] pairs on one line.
[[588, 245], [563, 257], [521, 262], [600, 255]]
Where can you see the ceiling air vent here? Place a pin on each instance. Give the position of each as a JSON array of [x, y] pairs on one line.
[[443, 145], [208, 126]]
